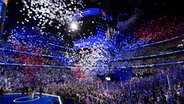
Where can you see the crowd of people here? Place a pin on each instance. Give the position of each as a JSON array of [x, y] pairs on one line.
[[158, 28], [164, 86], [151, 61], [148, 31], [160, 48], [138, 90], [14, 78]]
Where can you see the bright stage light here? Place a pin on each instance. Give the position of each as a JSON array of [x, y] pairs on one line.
[[74, 26], [108, 78]]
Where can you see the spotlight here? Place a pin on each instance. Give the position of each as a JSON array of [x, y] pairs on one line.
[[74, 26], [108, 78]]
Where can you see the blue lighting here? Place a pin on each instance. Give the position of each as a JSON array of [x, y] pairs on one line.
[[88, 12]]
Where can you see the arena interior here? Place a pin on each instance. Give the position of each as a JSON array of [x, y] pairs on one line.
[[93, 51]]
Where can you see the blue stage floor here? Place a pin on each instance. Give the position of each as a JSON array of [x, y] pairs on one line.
[[24, 99]]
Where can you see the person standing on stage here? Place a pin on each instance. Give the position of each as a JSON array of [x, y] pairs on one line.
[[40, 91], [1, 92]]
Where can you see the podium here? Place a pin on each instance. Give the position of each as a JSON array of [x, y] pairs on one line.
[[31, 95]]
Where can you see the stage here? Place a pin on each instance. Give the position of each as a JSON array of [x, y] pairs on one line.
[[25, 99]]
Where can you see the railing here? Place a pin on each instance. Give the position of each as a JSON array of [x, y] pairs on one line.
[[150, 56], [163, 41], [52, 66]]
